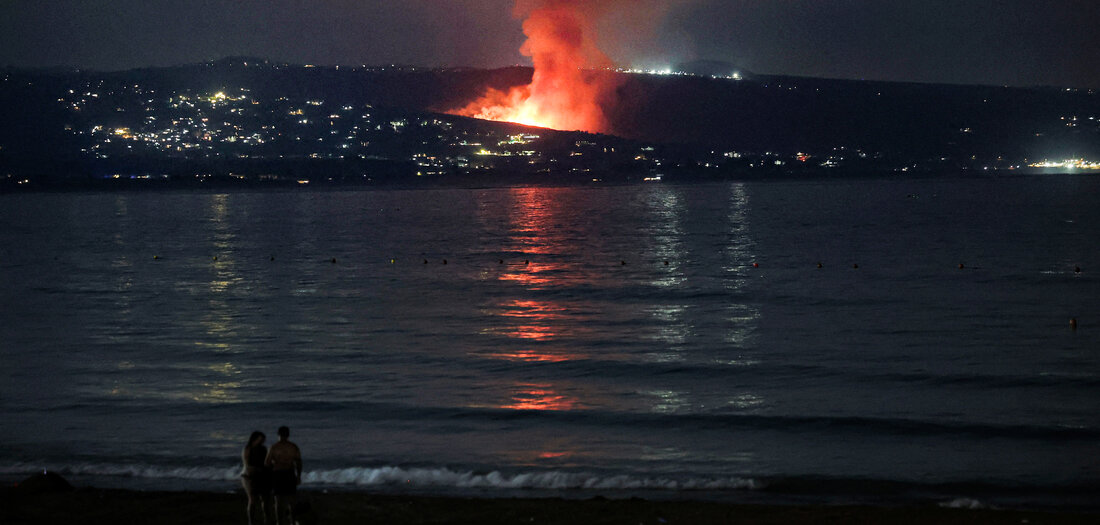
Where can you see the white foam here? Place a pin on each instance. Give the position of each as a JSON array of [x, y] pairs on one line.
[[411, 477], [963, 503], [549, 480], [130, 470]]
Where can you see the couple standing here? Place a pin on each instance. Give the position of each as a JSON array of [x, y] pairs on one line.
[[277, 471]]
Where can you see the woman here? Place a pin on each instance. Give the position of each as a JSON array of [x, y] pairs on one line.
[[256, 477]]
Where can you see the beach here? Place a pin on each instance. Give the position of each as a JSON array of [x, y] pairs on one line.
[[94, 506]]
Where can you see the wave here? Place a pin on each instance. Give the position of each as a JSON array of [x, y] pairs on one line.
[[963, 503], [414, 477], [547, 480], [444, 480], [207, 473]]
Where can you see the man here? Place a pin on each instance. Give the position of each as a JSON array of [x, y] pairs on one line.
[[285, 461]]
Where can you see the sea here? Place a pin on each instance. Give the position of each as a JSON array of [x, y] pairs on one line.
[[865, 340]]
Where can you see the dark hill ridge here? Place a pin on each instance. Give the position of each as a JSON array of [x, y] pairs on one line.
[[758, 113], [50, 115], [787, 113]]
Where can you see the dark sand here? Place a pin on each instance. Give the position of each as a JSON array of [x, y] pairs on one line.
[[94, 506]]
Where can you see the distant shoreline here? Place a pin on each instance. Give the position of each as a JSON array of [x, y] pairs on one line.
[[228, 184]]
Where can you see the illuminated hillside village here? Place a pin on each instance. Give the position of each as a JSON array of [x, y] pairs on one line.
[[110, 127]]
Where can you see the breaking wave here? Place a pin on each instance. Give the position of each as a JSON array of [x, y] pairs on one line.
[[129, 471], [552, 480], [391, 476], [963, 503]]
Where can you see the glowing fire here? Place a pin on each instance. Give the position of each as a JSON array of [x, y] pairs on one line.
[[564, 93]]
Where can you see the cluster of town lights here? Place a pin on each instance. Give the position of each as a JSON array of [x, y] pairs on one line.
[[669, 71], [1080, 164]]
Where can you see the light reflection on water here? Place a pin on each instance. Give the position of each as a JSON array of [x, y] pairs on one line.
[[220, 321], [536, 275], [547, 259], [664, 216], [539, 396], [549, 249], [533, 232], [740, 257], [668, 401], [531, 319]]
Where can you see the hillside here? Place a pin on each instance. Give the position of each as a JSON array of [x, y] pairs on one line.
[[245, 115]]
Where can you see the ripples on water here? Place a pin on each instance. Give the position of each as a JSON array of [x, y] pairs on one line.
[[568, 335]]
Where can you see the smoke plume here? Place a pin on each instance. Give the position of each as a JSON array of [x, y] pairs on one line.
[[568, 90]]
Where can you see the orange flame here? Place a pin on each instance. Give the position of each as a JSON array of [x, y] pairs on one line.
[[564, 92]]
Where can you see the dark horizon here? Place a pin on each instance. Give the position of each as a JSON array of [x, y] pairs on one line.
[[1015, 43], [421, 67]]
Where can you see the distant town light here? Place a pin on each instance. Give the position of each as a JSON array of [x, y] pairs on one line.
[[1081, 164]]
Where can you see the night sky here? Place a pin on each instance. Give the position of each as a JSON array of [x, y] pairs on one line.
[[1011, 42]]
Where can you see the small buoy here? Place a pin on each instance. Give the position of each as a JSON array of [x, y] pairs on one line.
[[1076, 269], [500, 261], [961, 266], [666, 263], [425, 261], [755, 265], [393, 261], [856, 266], [526, 262], [215, 257], [1072, 323], [333, 260], [155, 257], [622, 263], [819, 265], [272, 257], [444, 261]]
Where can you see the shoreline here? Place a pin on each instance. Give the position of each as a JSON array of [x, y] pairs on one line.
[[94, 506]]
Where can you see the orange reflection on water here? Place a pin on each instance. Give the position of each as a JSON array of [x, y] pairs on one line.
[[532, 215], [539, 396], [532, 356], [535, 275], [535, 320], [536, 217], [555, 451]]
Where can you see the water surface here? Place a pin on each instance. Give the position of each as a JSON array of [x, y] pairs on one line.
[[593, 340]]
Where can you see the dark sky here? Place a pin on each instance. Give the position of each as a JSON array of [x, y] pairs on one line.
[[1014, 42]]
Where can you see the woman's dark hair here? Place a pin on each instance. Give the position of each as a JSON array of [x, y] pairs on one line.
[[252, 438]]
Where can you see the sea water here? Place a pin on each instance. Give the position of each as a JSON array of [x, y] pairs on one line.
[[847, 340]]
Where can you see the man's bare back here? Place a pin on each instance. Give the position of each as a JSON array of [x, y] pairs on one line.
[[284, 455]]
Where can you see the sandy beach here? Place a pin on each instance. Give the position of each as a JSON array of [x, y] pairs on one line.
[[94, 506]]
